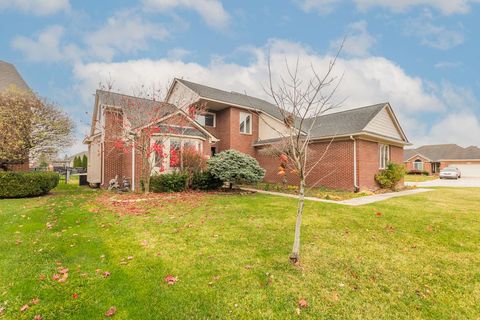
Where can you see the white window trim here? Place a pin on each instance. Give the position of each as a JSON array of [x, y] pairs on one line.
[[251, 122], [384, 154], [166, 145], [214, 119], [420, 162]]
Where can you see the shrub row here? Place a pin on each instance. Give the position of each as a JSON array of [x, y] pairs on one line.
[[26, 184], [176, 181]]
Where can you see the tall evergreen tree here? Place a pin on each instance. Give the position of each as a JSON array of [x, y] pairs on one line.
[[84, 161]]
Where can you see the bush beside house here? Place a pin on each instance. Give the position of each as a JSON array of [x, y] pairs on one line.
[[391, 176], [26, 184], [235, 167]]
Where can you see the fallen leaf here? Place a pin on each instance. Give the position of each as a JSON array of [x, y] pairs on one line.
[[106, 274], [2, 311], [63, 278], [37, 317], [55, 277], [42, 277], [63, 270], [75, 296], [170, 279], [129, 257], [378, 214], [297, 311], [302, 303], [24, 308], [111, 312], [35, 300]]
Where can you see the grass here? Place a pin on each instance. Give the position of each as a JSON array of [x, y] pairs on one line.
[[419, 178], [318, 192], [397, 259]]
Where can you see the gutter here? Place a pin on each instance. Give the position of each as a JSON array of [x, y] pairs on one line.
[[355, 184]]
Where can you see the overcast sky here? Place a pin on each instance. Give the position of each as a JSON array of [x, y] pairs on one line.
[[422, 56]]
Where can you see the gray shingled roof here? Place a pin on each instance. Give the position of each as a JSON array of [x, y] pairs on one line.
[[344, 122], [339, 123], [9, 76], [233, 98], [139, 111], [443, 152]]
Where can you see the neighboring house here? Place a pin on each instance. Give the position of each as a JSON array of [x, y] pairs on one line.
[[360, 142], [11, 79], [433, 158]]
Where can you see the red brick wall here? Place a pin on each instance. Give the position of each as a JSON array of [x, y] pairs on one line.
[[112, 157], [368, 162], [427, 166], [227, 130], [334, 171]]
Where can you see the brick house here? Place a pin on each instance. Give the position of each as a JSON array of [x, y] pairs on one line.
[[362, 141], [11, 79], [433, 158]]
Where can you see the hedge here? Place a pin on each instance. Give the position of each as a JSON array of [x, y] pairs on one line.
[[26, 184], [169, 182], [205, 181]]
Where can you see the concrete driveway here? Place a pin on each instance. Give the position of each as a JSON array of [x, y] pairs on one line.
[[460, 183]]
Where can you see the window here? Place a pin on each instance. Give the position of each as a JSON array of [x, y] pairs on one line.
[[206, 119], [418, 165], [245, 123], [384, 156], [175, 149]]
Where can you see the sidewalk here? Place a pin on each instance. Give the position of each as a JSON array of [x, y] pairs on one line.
[[350, 202]]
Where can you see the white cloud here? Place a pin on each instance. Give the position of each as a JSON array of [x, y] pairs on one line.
[[36, 7], [434, 36], [448, 64], [125, 32], [46, 46], [358, 41], [445, 6], [211, 11], [367, 80], [460, 128], [321, 6]]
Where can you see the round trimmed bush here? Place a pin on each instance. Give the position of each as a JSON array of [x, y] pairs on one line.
[[26, 184], [235, 167]]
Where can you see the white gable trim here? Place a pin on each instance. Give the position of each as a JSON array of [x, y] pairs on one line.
[[379, 124]]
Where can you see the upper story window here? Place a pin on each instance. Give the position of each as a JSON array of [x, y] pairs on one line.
[[245, 123], [384, 155], [207, 119]]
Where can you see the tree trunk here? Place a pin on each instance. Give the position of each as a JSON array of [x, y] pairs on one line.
[[295, 256]]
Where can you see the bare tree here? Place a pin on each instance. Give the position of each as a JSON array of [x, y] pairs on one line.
[[30, 126], [300, 102]]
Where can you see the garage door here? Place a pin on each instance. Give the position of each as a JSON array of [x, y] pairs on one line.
[[468, 170]]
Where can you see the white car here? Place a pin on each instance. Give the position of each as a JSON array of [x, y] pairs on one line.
[[450, 173]]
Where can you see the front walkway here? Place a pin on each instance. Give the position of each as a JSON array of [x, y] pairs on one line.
[[350, 202]]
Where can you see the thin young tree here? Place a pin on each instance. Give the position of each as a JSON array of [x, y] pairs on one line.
[[301, 97]]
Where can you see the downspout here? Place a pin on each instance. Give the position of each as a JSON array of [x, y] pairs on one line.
[[133, 165], [355, 184]]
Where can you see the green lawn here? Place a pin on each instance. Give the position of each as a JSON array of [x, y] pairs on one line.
[[419, 178], [414, 257]]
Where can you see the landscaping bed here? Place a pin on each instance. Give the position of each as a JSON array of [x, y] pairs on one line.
[[317, 192]]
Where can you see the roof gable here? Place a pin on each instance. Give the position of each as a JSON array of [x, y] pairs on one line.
[[385, 124]]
